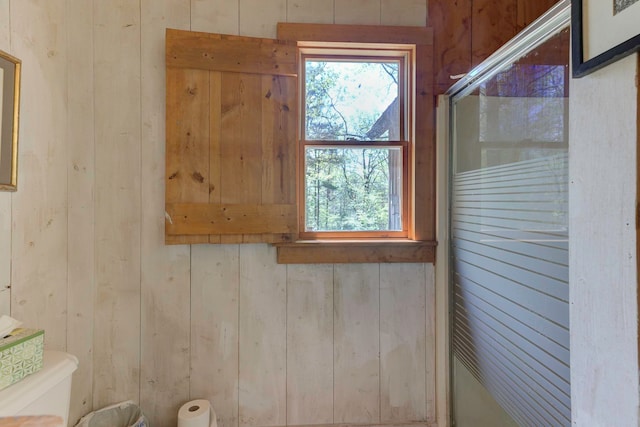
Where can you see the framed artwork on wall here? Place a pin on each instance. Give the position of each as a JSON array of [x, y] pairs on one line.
[[603, 31], [9, 113]]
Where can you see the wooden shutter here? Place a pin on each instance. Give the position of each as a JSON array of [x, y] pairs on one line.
[[231, 139]]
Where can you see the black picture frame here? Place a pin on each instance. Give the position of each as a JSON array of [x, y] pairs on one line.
[[582, 67]]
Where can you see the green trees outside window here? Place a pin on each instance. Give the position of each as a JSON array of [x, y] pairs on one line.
[[352, 151]]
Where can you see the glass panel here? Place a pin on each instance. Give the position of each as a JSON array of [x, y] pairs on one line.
[[353, 189], [526, 102], [509, 242], [351, 101]]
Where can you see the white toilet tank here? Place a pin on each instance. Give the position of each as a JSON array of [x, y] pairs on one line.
[[47, 392]]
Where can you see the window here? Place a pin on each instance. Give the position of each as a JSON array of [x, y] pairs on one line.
[[244, 165], [355, 141], [402, 229]]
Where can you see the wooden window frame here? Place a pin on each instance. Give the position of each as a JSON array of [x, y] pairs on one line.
[[405, 54], [419, 243]]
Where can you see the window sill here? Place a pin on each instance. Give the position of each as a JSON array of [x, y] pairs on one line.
[[356, 251]]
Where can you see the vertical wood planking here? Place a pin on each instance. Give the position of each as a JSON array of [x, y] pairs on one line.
[[404, 12], [5, 27], [215, 16], [215, 135], [529, 11], [121, 265], [242, 168], [215, 287], [494, 23], [278, 134], [165, 280], [187, 141], [5, 198], [402, 343], [310, 11], [263, 338], [81, 182], [117, 137], [424, 160], [258, 18], [309, 344], [39, 229], [356, 343], [430, 343], [364, 12], [451, 22], [5, 254]]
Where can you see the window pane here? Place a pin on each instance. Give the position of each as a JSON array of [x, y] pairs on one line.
[[353, 189], [351, 101]]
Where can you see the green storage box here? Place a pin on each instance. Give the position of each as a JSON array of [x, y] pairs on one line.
[[21, 354]]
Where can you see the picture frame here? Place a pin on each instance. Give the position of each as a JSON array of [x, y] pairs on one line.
[[10, 67], [602, 32]]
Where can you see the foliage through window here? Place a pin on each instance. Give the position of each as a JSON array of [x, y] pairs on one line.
[[355, 142]]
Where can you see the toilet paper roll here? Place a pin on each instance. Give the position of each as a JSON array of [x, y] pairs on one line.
[[197, 413]]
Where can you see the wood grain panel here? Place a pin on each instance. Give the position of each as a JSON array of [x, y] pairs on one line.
[[494, 24], [451, 22], [250, 142], [215, 287], [240, 147], [403, 352], [356, 354], [403, 12], [215, 138], [194, 218], [215, 16], [118, 206], [529, 11], [357, 12], [258, 18], [355, 252], [311, 11], [39, 232], [187, 141], [279, 151], [424, 179], [357, 33], [203, 51], [310, 344], [165, 279], [431, 357], [263, 310], [5, 32], [81, 209], [5, 199]]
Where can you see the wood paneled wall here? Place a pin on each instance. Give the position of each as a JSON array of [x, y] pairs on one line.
[[81, 241], [468, 31], [5, 198]]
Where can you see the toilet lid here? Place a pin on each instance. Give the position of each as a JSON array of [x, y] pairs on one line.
[[56, 367]]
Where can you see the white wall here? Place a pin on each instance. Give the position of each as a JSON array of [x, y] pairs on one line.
[[81, 242], [603, 272]]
